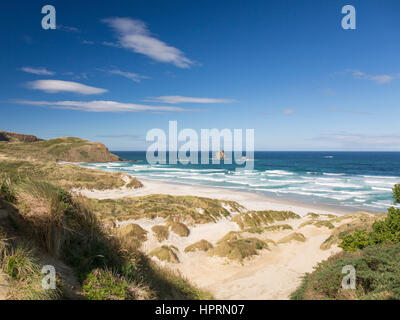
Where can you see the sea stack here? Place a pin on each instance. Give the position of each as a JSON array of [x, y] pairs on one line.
[[220, 155]]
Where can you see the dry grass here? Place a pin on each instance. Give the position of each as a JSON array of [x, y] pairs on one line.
[[232, 246], [358, 221], [61, 149], [166, 253], [295, 236], [160, 232], [254, 219], [67, 176], [273, 228], [133, 232], [202, 245], [318, 224], [179, 228], [185, 209]]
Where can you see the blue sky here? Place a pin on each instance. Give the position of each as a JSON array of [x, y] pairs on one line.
[[112, 70]]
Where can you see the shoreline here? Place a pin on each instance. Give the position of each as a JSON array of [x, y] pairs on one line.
[[250, 200]]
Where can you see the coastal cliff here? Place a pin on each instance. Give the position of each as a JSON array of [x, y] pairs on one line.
[[21, 146]]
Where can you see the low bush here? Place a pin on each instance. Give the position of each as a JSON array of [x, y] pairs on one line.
[[377, 276]]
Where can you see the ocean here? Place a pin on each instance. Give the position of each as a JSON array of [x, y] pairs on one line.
[[357, 180]]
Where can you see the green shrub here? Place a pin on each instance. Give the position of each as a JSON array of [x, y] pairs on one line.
[[396, 193], [105, 285], [386, 231], [377, 276]]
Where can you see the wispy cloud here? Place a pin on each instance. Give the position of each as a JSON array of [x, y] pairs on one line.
[[181, 99], [101, 106], [363, 140], [130, 75], [54, 86], [67, 28], [38, 71], [87, 42], [288, 112], [348, 111], [379, 79], [134, 35]]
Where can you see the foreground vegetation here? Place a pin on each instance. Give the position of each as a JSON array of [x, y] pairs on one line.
[[374, 252], [62, 230]]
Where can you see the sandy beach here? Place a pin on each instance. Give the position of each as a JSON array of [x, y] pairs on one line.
[[272, 274]]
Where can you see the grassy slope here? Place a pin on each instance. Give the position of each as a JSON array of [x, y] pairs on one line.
[[67, 176], [57, 225], [60, 149]]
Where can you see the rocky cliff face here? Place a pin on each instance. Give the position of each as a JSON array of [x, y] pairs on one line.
[[17, 137]]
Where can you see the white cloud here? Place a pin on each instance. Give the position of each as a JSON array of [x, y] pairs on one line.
[[134, 35], [181, 99], [288, 111], [38, 71], [130, 75], [101, 106], [380, 79], [54, 86]]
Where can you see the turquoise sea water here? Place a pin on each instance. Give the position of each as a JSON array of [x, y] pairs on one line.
[[361, 180]]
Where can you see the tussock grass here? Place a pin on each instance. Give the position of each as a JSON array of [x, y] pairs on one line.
[[275, 227], [202, 245], [134, 233], [254, 219], [318, 224], [67, 176], [160, 232], [358, 221], [166, 253], [179, 228], [175, 208], [23, 267], [295, 236], [234, 247]]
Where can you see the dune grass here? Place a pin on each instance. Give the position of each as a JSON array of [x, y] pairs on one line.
[[295, 236], [179, 228], [358, 221], [254, 219], [160, 232], [184, 209], [134, 233], [202, 245], [318, 224], [166, 253], [234, 247], [67, 176]]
